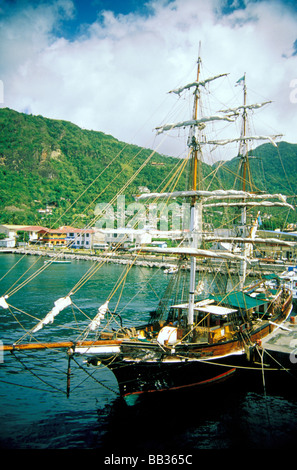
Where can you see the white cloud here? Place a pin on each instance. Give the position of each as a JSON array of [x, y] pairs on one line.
[[115, 77]]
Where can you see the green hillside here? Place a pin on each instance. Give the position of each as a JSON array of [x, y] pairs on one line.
[[45, 162], [50, 163]]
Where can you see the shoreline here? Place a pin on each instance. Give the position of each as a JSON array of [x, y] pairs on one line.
[[147, 261]]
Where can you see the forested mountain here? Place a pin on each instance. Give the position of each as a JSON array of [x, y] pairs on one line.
[[46, 163], [50, 163]]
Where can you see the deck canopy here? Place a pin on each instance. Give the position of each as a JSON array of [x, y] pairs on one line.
[[212, 309], [240, 300], [216, 310]]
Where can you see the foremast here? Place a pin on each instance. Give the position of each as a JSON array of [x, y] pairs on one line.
[[244, 167]]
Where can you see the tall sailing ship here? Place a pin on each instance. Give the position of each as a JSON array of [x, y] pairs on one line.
[[197, 336]]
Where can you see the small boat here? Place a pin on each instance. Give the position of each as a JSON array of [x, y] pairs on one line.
[[171, 270]]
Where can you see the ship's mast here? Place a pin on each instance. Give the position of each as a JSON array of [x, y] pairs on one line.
[[195, 184], [195, 191], [244, 165], [245, 156]]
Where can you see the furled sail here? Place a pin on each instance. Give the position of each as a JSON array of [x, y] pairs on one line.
[[245, 106], [245, 195], [271, 139], [60, 304], [178, 91], [195, 122], [250, 204], [268, 241], [95, 323], [192, 252], [216, 194]]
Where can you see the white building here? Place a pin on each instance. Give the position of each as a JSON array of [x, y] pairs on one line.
[[124, 237], [7, 243], [79, 237], [11, 232]]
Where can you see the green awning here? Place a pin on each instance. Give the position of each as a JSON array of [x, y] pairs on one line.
[[239, 300], [271, 276]]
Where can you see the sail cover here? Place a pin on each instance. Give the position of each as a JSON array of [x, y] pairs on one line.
[[216, 194], [245, 106], [250, 204], [194, 122], [267, 241], [60, 304], [271, 139], [95, 323], [192, 252], [197, 84]]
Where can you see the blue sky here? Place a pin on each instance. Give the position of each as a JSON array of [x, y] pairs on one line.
[[87, 12], [108, 65], [84, 12]]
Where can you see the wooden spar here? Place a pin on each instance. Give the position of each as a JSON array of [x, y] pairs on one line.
[[244, 134], [195, 165], [55, 345]]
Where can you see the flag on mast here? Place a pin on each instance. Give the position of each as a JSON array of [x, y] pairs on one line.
[[240, 80]]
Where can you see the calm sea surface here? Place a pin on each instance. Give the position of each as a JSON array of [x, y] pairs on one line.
[[36, 413]]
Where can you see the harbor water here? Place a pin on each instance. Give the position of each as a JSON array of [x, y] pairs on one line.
[[36, 412]]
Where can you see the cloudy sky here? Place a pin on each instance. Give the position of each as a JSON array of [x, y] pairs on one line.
[[108, 65]]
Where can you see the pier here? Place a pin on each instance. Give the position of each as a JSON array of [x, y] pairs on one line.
[[281, 345], [147, 260]]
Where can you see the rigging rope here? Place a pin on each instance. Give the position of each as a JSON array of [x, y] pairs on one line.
[[35, 375], [94, 378], [12, 291], [94, 269]]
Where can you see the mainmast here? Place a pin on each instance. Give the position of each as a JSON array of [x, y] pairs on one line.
[[193, 142], [195, 183]]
